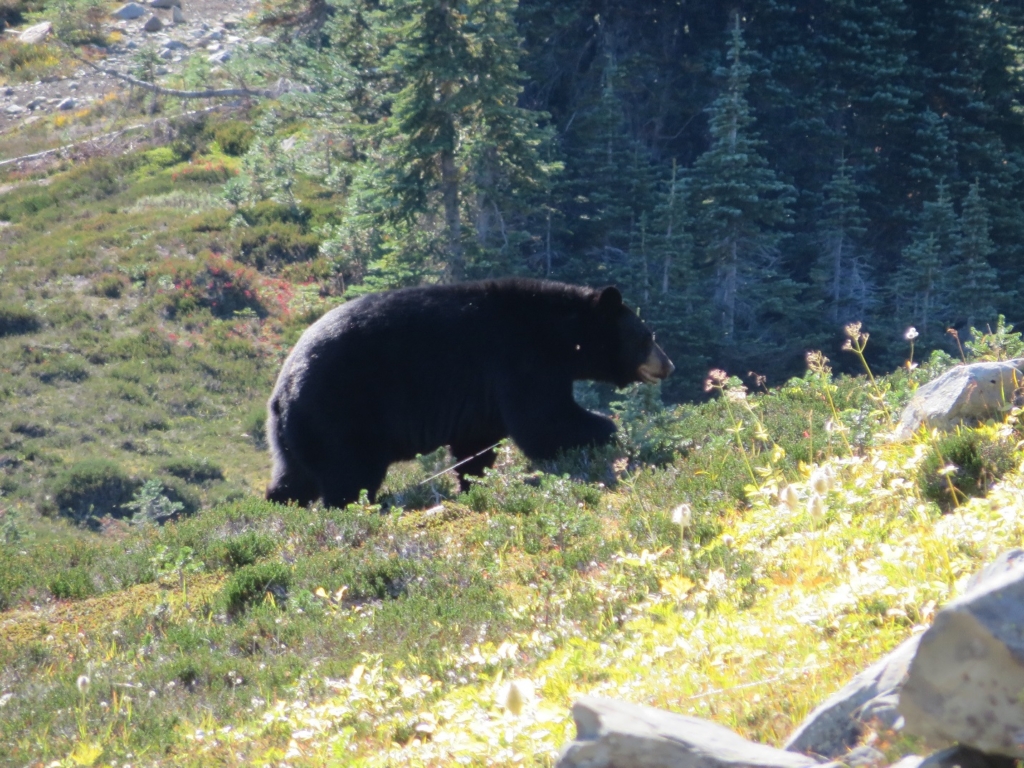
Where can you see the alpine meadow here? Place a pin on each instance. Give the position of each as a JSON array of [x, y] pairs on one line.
[[817, 207]]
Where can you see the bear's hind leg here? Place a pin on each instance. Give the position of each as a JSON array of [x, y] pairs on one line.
[[477, 460]]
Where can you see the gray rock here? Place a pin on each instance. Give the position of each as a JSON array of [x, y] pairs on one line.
[[177, 16], [37, 102], [230, 22], [882, 712], [1010, 561], [129, 11], [862, 757], [16, 110], [220, 57], [837, 724], [614, 734], [261, 40], [165, 4], [910, 761], [967, 394], [36, 33], [67, 103], [153, 24], [166, 53], [966, 682]]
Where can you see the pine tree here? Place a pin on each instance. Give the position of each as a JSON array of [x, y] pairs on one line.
[[740, 202], [922, 286], [456, 133], [977, 288], [842, 268]]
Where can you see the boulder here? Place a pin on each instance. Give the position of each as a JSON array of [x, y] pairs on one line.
[[967, 394], [177, 16], [36, 33], [837, 724], [165, 4], [614, 734], [129, 11], [966, 682], [67, 103], [153, 24]]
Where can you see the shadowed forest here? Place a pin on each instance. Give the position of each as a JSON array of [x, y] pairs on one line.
[[753, 175]]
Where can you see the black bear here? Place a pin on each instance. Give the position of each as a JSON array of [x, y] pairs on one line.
[[388, 376]]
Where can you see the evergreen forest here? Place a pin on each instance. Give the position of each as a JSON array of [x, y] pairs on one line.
[[753, 175]]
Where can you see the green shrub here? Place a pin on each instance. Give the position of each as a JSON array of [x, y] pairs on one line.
[[146, 345], [16, 319], [62, 368], [91, 489], [110, 286], [22, 62], [251, 583], [276, 243], [270, 212], [245, 549], [962, 465], [161, 501], [72, 584], [234, 137], [193, 470]]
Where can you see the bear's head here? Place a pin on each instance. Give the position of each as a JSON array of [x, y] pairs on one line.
[[630, 352]]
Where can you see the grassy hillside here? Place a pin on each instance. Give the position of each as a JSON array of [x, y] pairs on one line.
[[736, 560]]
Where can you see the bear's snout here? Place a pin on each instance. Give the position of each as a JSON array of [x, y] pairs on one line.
[[657, 366]]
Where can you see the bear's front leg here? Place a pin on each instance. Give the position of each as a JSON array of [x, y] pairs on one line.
[[543, 420]]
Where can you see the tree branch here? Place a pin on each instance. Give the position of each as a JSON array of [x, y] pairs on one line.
[[210, 93]]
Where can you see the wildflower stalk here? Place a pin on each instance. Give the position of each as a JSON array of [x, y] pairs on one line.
[[818, 364], [856, 342], [719, 379]]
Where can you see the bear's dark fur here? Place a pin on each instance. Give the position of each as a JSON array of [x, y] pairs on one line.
[[388, 376]]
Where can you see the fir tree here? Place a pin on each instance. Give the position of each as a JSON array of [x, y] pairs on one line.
[[922, 285], [740, 202], [842, 268], [456, 132], [976, 283]]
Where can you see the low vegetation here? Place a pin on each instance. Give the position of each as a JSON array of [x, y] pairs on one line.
[[736, 559]]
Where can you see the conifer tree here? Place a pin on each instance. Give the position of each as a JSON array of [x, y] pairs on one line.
[[976, 284], [922, 285], [456, 132], [842, 269], [740, 202]]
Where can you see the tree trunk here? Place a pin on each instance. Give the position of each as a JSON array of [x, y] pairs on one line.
[[837, 273], [729, 278], [452, 219]]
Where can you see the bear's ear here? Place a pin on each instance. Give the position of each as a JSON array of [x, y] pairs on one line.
[[610, 299]]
